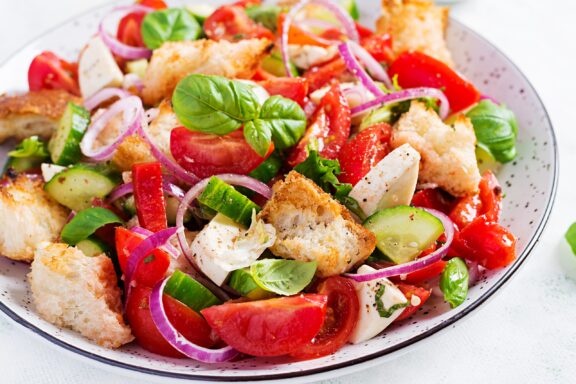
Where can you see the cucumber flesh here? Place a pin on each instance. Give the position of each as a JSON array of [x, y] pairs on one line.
[[188, 291], [92, 247], [274, 65], [403, 232], [64, 146], [137, 67], [200, 11], [242, 281]]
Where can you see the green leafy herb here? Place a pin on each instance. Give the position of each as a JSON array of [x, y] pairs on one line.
[[30, 147], [187, 290], [285, 120], [86, 222], [454, 282], [284, 277], [382, 310], [172, 24], [258, 136], [570, 237], [148, 259], [267, 15], [496, 129]]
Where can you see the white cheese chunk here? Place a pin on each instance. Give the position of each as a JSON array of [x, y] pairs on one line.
[[306, 56], [97, 68], [50, 170]]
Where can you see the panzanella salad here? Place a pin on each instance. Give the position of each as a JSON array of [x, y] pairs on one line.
[[252, 179]]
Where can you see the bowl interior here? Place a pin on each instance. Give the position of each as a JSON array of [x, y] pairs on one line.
[[528, 183]]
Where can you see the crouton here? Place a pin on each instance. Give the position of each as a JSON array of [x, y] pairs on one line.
[[28, 216], [32, 113], [175, 60], [311, 225], [416, 25], [75, 291], [448, 152]]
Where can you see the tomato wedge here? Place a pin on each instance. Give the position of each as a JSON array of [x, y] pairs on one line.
[[149, 196], [321, 75], [415, 69], [156, 4], [151, 269], [48, 71], [299, 36], [271, 327], [329, 129], [206, 155], [363, 152], [230, 22], [129, 29], [294, 88], [186, 321], [434, 198], [409, 291], [341, 318], [379, 46]]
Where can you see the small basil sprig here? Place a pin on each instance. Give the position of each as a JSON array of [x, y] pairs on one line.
[[30, 153], [382, 310], [86, 222], [217, 105], [172, 24], [284, 277], [454, 282]]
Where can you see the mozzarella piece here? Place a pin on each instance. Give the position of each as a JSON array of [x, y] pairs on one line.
[[370, 323], [50, 170], [306, 56], [390, 183], [97, 68]]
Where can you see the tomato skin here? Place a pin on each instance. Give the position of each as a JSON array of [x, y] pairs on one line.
[[149, 196], [156, 4], [206, 155], [425, 273], [299, 36], [129, 29], [409, 291], [415, 69], [293, 88], [272, 327], [341, 318], [48, 71], [321, 75], [360, 154], [466, 210], [433, 198], [363, 31], [330, 127], [146, 273], [189, 323], [379, 46], [230, 22]]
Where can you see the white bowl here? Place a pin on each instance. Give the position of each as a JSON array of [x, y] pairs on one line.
[[529, 185]]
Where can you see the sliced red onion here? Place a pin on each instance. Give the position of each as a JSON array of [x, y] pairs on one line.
[[342, 16], [417, 264], [406, 94], [127, 188], [104, 95], [131, 123], [173, 190], [169, 248], [310, 108], [132, 80], [374, 67], [486, 97], [176, 340], [119, 48], [356, 69]]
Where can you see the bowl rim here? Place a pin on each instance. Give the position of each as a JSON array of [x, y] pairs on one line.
[[340, 366]]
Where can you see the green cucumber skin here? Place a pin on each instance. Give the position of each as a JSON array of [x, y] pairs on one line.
[[415, 225], [190, 292], [76, 187], [92, 247], [241, 280], [64, 146], [275, 66]]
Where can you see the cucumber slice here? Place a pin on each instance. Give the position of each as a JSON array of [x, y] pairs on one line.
[[242, 281], [223, 198], [77, 186], [267, 15], [188, 291], [403, 232], [274, 65], [92, 247], [485, 160], [200, 11], [64, 146], [268, 169], [137, 67], [351, 7]]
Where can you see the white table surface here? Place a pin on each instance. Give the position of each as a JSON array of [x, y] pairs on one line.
[[526, 334]]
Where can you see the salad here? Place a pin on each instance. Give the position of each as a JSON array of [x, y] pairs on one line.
[[253, 179]]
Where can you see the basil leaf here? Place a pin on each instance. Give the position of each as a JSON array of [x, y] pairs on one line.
[[382, 310], [267, 15], [284, 277], [496, 129], [258, 136], [454, 282], [285, 119], [570, 237], [86, 222], [30, 147], [172, 24], [214, 104]]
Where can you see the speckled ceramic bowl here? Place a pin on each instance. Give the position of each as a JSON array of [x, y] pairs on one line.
[[529, 185]]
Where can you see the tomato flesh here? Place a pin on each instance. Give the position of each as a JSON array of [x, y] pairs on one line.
[[295, 88], [299, 36], [321, 75], [149, 196], [129, 29], [230, 22], [379, 46], [409, 291], [433, 198], [271, 327], [48, 71]]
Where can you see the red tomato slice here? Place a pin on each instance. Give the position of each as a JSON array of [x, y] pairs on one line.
[[379, 46], [330, 128], [262, 75], [271, 327], [48, 71], [186, 321], [247, 3], [321, 75], [207, 155], [341, 318], [415, 69], [230, 22], [466, 210], [149, 196], [433, 198], [423, 274], [363, 152], [363, 32], [129, 29], [292, 88], [409, 291], [156, 4], [151, 269]]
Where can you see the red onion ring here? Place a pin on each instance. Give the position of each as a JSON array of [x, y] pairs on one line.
[[119, 48], [103, 95], [169, 248], [374, 67], [417, 264], [310, 108], [354, 66], [406, 94], [127, 188], [473, 272], [176, 340], [132, 80], [96, 126]]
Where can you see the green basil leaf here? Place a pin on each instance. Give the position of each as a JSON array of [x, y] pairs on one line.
[[454, 282], [188, 291], [267, 15], [86, 222], [258, 136], [172, 24], [214, 104], [284, 277], [30, 147], [571, 237], [285, 119], [382, 310]]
